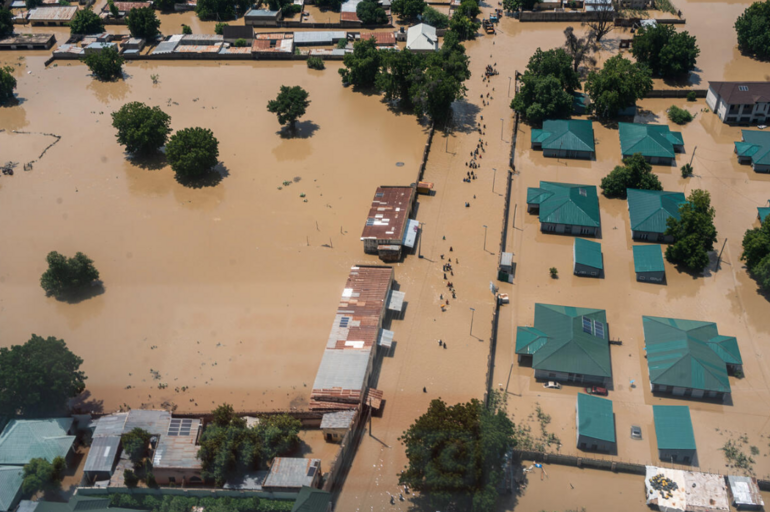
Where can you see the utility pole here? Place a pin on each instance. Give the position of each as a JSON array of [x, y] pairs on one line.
[[494, 177], [501, 129], [419, 242], [473, 313], [485, 237], [693, 155], [719, 258], [509, 87]]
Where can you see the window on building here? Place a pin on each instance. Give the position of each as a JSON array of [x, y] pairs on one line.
[[743, 88], [599, 329], [582, 192]]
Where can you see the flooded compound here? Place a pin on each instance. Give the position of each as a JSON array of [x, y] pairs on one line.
[[227, 290]]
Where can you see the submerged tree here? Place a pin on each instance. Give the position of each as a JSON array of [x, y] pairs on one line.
[[7, 84], [753, 30], [141, 128], [290, 105], [665, 51], [694, 232], [361, 66], [143, 23], [370, 13], [635, 173], [407, 8], [86, 22], [41, 475], [580, 48], [618, 85], [192, 152], [67, 275], [106, 64], [6, 22], [603, 21], [464, 27], [39, 377]]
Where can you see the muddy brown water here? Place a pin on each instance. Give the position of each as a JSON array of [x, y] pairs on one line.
[[228, 289]]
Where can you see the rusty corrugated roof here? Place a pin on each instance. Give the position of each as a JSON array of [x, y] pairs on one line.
[[382, 38], [388, 214], [349, 16]]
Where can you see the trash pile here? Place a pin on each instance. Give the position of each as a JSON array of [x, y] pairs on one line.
[[665, 486]]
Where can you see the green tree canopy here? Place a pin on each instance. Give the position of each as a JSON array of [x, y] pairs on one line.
[[456, 455], [468, 8], [114, 11], [400, 69], [86, 22], [141, 129], [464, 27], [164, 5], [41, 475], [278, 435], [32, 4], [6, 23], [370, 13], [434, 94], [221, 9], [7, 84], [541, 97], [67, 275], [665, 51], [557, 63], [407, 8], [143, 22], [635, 173], [290, 105], [106, 64], [515, 5], [694, 233], [334, 5], [361, 66], [753, 30], [756, 254], [135, 445], [679, 115], [435, 18], [39, 377], [618, 85], [192, 152]]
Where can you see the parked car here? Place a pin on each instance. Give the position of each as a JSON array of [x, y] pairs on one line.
[[596, 390], [636, 432], [552, 385]]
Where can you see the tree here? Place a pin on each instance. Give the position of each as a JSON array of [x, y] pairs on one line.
[[290, 105], [541, 97], [435, 18], [7, 84], [143, 22], [219, 28], [39, 377], [67, 275], [618, 85], [221, 9], [753, 30], [278, 435], [41, 475], [694, 232], [186, 30], [686, 170], [456, 455], [135, 445], [400, 69], [636, 173], [113, 9], [192, 152], [86, 22], [756, 254], [6, 23], [315, 63], [435, 92], [164, 5], [679, 115], [468, 8], [557, 63], [515, 5], [223, 415], [603, 21], [361, 66], [580, 48], [464, 27], [141, 129], [106, 64], [334, 5], [407, 8], [130, 479], [370, 13], [665, 51], [32, 4]]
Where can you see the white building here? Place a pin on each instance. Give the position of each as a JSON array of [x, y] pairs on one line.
[[740, 102], [421, 38]]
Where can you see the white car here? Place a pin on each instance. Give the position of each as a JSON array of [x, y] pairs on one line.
[[552, 385]]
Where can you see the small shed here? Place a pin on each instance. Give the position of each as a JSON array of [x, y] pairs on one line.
[[262, 18], [336, 424], [588, 259], [648, 263], [744, 491], [595, 423], [134, 43], [673, 428], [506, 270], [289, 474]]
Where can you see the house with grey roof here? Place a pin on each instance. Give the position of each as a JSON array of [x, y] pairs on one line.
[[740, 102], [24, 440], [290, 474], [335, 425]]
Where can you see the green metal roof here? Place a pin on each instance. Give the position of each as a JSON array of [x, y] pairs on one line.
[[755, 144], [648, 258], [572, 135], [588, 253], [569, 347], [595, 418], [10, 483], [688, 353], [763, 212], [24, 440], [579, 103], [673, 427], [529, 340], [651, 140], [80, 503], [649, 210], [566, 203], [311, 500]]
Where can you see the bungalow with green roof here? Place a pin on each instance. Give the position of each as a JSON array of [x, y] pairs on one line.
[[77, 503], [689, 358], [595, 423], [673, 428], [565, 139], [648, 211], [587, 257], [565, 208], [567, 344], [648, 263], [24, 440], [754, 149], [656, 142], [762, 213], [11, 478]]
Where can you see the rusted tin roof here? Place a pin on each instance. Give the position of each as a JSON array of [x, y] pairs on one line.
[[382, 38], [388, 214]]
